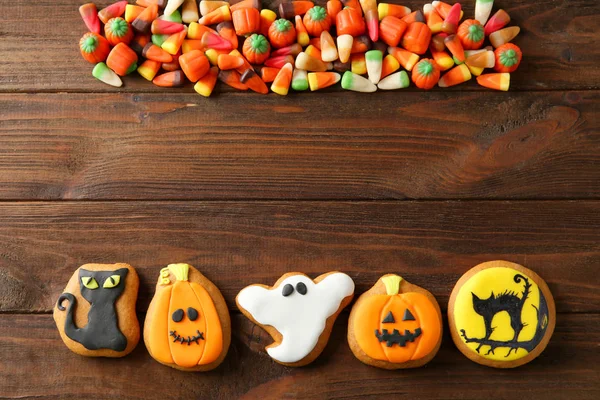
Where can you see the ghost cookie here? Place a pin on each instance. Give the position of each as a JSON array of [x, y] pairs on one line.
[[187, 325], [501, 314], [297, 312], [96, 313], [395, 325]]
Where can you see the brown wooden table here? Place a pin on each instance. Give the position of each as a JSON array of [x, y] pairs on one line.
[[247, 187]]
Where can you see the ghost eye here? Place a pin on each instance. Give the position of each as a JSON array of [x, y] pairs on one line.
[[192, 314], [301, 288], [287, 290], [178, 315], [89, 282], [111, 282]]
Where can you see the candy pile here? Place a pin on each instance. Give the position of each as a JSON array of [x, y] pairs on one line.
[[246, 47]]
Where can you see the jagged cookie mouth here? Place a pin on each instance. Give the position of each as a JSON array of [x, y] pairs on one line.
[[189, 340], [396, 337]]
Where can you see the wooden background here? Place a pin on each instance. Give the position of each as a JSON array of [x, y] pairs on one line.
[[247, 187]]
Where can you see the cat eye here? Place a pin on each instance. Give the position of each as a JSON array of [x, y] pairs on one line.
[[89, 282], [111, 282]]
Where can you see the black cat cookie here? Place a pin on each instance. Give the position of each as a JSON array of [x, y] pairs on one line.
[[501, 314], [95, 315]]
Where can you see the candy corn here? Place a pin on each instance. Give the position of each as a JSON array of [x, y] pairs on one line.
[[214, 17], [482, 59], [281, 84], [143, 22], [454, 44], [308, 63], [122, 59], [301, 33], [450, 24], [404, 57], [369, 8], [148, 69], [106, 75], [289, 10], [321, 80], [89, 14], [455, 76], [442, 59], [266, 19], [132, 12], [206, 84], [172, 6], [163, 27], [391, 30], [196, 31], [389, 65], [189, 12], [280, 61], [268, 74], [374, 59], [232, 78], [208, 6], [504, 35], [358, 64], [253, 81], [443, 9], [357, 83], [292, 50], [194, 65], [344, 46], [114, 10], [393, 10], [212, 40], [483, 8], [155, 53], [227, 31], [226, 61], [174, 42], [300, 80], [245, 4], [169, 79], [328, 50], [499, 81], [497, 22], [433, 19], [397, 80]]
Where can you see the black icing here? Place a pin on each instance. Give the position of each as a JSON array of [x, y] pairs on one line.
[[190, 339], [178, 315], [389, 319], [192, 313], [408, 316], [396, 337], [301, 288], [513, 305], [287, 290], [102, 330]]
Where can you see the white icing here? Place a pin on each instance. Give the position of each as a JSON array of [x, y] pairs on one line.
[[300, 319]]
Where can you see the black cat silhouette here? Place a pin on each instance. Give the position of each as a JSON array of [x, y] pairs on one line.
[[101, 289], [513, 304]]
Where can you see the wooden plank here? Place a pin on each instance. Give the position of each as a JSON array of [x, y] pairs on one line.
[[39, 47], [46, 369], [239, 243], [419, 146]]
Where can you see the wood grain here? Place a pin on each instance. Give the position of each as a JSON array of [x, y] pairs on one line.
[[235, 244], [47, 369], [418, 146], [39, 46]]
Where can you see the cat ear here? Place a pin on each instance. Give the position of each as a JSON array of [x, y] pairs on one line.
[[122, 271], [475, 297]]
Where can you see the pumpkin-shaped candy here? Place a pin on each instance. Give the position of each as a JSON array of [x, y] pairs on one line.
[[316, 20], [426, 73], [282, 33], [93, 47], [395, 325], [117, 30], [187, 325], [349, 21], [508, 57], [471, 35], [256, 49], [246, 21]]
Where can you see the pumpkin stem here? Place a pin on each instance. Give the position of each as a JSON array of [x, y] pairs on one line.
[[392, 284], [180, 271]]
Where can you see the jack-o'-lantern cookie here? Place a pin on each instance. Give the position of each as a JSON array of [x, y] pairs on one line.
[[100, 318], [501, 314], [187, 325], [297, 312], [395, 325]]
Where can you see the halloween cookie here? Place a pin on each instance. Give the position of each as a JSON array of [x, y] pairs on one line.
[[297, 312], [187, 325], [501, 314], [99, 319], [395, 325]]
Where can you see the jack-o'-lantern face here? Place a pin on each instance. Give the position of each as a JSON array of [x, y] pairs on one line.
[[185, 327], [397, 327]]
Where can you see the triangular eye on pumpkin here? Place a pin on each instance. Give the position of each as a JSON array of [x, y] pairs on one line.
[[395, 325], [187, 324]]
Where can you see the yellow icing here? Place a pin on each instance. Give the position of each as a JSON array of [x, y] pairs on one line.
[[498, 280]]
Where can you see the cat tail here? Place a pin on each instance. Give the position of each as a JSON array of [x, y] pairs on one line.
[[526, 289], [71, 330]]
